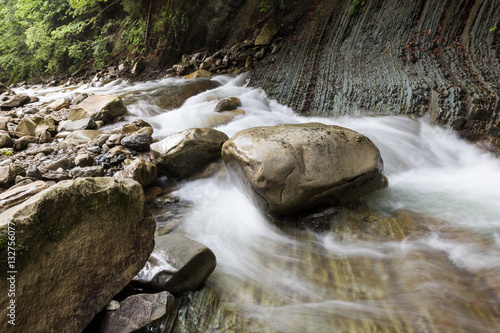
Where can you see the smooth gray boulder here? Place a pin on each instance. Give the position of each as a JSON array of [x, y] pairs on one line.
[[291, 168], [182, 154], [136, 312], [77, 244], [98, 107], [177, 264]]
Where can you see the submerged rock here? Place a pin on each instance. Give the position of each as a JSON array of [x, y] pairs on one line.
[[182, 154], [177, 264], [290, 168], [78, 243], [136, 312]]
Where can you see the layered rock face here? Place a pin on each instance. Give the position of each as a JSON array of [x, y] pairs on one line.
[[393, 57], [77, 244], [290, 168]]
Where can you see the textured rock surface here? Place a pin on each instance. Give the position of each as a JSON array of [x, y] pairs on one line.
[[177, 264], [78, 243], [289, 168], [182, 154], [136, 312], [139, 170], [98, 107], [15, 196], [397, 57]]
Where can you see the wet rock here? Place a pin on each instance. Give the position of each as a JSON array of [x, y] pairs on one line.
[[139, 142], [17, 195], [99, 107], [91, 171], [182, 154], [87, 238], [289, 168], [139, 170], [84, 159], [227, 104], [8, 174], [267, 34], [136, 312], [177, 264], [5, 140], [26, 126]]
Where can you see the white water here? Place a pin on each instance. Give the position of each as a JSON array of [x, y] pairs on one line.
[[431, 172]]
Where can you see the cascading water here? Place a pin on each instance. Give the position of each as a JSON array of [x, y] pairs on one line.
[[422, 255]]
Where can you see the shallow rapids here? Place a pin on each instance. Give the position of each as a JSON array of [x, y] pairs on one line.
[[422, 255]]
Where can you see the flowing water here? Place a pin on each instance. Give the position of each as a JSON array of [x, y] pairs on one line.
[[422, 255]]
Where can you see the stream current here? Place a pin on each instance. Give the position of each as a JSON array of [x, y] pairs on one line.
[[422, 255]]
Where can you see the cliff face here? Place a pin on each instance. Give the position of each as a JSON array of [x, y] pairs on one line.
[[392, 57]]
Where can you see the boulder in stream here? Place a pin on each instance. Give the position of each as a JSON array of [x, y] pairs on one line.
[[77, 244], [177, 264], [182, 154], [98, 107], [291, 168]]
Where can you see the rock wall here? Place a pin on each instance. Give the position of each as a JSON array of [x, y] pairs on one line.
[[393, 57]]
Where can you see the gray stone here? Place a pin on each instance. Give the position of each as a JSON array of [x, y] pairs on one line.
[[84, 159], [177, 264], [267, 34], [13, 101], [26, 126], [139, 142], [182, 154], [76, 125], [58, 105], [5, 140], [78, 243], [291, 168], [64, 163], [136, 312], [91, 171], [139, 170], [82, 136], [8, 174], [227, 104], [101, 107], [38, 150], [15, 196]]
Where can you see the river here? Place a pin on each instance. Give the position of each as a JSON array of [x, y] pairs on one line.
[[422, 255]]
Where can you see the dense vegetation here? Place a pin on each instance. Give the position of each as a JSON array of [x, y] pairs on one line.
[[48, 37]]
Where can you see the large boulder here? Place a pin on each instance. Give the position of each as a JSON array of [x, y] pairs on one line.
[[12, 101], [98, 107], [177, 264], [182, 154], [77, 244], [290, 168]]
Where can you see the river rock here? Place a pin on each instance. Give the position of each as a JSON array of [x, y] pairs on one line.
[[13, 101], [76, 125], [136, 312], [90, 171], [177, 264], [98, 107], [23, 141], [78, 243], [227, 104], [267, 34], [84, 159], [290, 168], [199, 73], [182, 154], [82, 136], [15, 196], [139, 141], [139, 170], [114, 140], [44, 124], [64, 163], [5, 140], [58, 105], [8, 174], [26, 126], [3, 88]]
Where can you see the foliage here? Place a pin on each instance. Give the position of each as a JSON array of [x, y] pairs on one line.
[[356, 6]]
